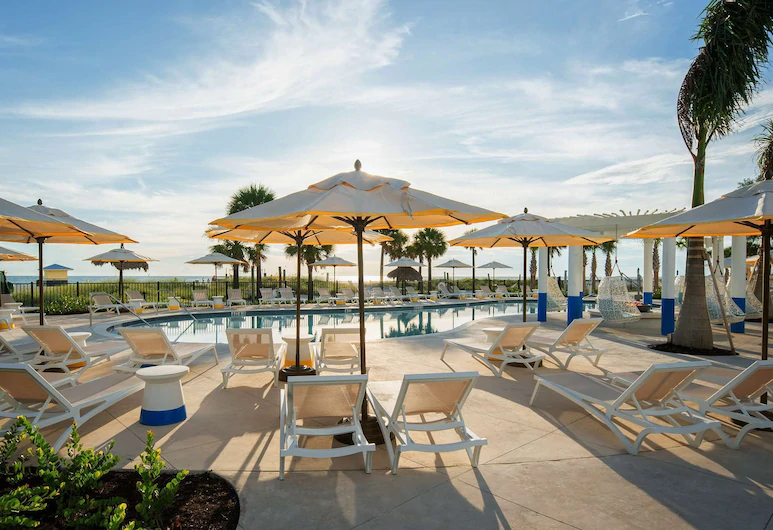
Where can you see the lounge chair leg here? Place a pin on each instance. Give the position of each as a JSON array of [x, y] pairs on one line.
[[225, 380], [443, 354], [534, 394], [476, 455], [281, 468], [396, 460], [368, 462]]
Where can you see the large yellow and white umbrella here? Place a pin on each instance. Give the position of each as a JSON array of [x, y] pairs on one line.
[[121, 258], [747, 211], [358, 200], [7, 254], [41, 224], [528, 230], [298, 237]]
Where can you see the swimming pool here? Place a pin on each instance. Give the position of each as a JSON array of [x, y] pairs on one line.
[[379, 324]]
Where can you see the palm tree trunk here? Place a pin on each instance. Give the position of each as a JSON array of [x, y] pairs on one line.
[[593, 267], [693, 328], [235, 283], [608, 265], [429, 274], [310, 287]]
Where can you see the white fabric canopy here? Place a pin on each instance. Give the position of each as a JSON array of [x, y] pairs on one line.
[[404, 262], [7, 254], [454, 264], [334, 261], [494, 265]]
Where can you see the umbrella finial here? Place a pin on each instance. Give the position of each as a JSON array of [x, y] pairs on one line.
[[357, 165], [40, 202], [525, 210]]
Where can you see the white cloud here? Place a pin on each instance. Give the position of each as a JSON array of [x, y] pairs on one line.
[[637, 14]]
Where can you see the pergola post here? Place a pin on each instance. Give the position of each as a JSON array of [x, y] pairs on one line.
[[738, 279], [668, 288], [575, 288], [647, 274], [542, 284]]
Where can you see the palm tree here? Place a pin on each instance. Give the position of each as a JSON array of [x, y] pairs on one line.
[[414, 251], [608, 249], [236, 250], [474, 251], [394, 249], [250, 196], [310, 254], [432, 243], [585, 250], [533, 267], [720, 82], [656, 264], [593, 269]]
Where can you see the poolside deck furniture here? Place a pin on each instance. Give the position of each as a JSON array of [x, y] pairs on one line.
[[502, 292], [314, 397], [323, 295], [415, 295], [378, 296], [395, 293], [306, 353], [425, 397], [151, 347], [28, 393], [349, 295], [507, 347], [99, 302], [17, 350], [651, 401], [136, 298], [267, 297], [60, 350], [286, 296], [338, 350], [163, 402], [22, 312], [461, 292], [573, 341], [201, 298], [485, 292], [235, 298], [253, 351], [444, 292]]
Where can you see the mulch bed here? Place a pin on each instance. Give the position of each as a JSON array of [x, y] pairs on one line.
[[205, 501], [671, 348]]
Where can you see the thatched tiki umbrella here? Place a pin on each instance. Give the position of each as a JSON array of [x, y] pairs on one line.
[[122, 259], [358, 201], [405, 274]]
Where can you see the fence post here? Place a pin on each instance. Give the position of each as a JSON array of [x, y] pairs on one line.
[[78, 289]]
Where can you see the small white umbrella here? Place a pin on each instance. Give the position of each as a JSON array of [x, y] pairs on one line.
[[404, 262], [453, 265], [494, 265], [119, 257], [7, 254], [334, 261], [216, 259]]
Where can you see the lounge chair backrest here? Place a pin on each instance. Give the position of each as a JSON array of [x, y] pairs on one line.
[[323, 292], [661, 381], [199, 295], [486, 290], [749, 383], [234, 294], [251, 343], [394, 291], [24, 385], [286, 292], [53, 339], [376, 291], [147, 342], [134, 295], [351, 335], [434, 393], [347, 292], [266, 293], [326, 396], [101, 298], [578, 330], [6, 299], [514, 335], [502, 289], [442, 288], [411, 290]]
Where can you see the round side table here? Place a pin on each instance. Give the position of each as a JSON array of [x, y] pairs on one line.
[[306, 358], [217, 302], [163, 402]]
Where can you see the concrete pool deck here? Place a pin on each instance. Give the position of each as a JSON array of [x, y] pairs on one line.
[[548, 466]]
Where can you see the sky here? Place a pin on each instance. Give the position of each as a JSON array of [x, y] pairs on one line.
[[144, 117]]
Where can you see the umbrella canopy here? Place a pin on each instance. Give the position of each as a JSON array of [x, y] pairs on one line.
[[122, 259], [405, 274], [358, 200], [334, 261], [746, 211], [216, 259], [404, 262], [7, 254], [494, 265], [454, 264], [42, 225], [528, 230]]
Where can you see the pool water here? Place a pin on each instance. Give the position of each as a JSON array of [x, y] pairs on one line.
[[389, 323]]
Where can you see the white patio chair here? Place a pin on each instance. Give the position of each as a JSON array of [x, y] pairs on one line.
[[286, 296], [485, 292], [349, 295], [253, 351], [27, 393], [508, 348], [235, 298], [338, 350], [151, 347], [57, 349], [651, 401], [201, 298], [17, 350], [378, 296], [323, 295], [102, 302], [444, 292], [572, 341], [135, 296], [415, 295], [313, 397], [22, 312], [395, 293], [502, 292], [267, 296], [416, 396]]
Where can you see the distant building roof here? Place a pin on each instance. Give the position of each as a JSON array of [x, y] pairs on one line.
[[56, 267]]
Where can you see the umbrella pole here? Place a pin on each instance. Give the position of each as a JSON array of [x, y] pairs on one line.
[[765, 294], [41, 240], [120, 281], [523, 283]]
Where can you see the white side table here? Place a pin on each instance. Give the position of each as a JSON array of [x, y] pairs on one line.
[[217, 302], [306, 358], [6, 318], [163, 402]]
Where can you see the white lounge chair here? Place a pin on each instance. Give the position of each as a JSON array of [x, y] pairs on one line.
[[253, 351], [349, 295], [134, 296], [102, 302], [395, 293], [378, 296], [416, 396], [572, 341], [22, 312], [18, 350], [415, 295], [286, 296], [235, 298], [444, 292], [485, 292], [508, 348], [338, 351], [502, 292], [267, 297], [27, 393], [311, 397], [201, 298], [59, 350], [651, 397], [461, 292], [151, 347], [323, 295]]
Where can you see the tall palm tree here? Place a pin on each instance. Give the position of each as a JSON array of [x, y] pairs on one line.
[[608, 248], [432, 243], [533, 267], [394, 249], [310, 254], [593, 269], [656, 264], [236, 250], [250, 196], [414, 251], [474, 251], [720, 82]]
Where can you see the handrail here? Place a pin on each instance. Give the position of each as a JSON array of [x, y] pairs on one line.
[[118, 302], [181, 305]]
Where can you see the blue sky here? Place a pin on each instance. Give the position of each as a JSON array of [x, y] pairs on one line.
[[144, 117]]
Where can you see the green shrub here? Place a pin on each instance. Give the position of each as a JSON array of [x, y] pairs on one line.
[[17, 503], [155, 499], [67, 305]]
